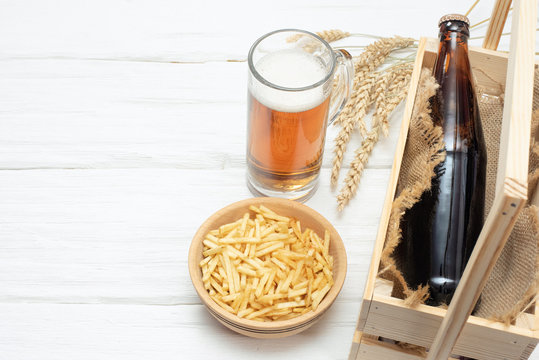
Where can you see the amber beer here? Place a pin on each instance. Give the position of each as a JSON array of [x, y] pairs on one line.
[[286, 132], [285, 148], [440, 231]]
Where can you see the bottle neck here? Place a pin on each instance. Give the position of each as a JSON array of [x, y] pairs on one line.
[[453, 50], [455, 102], [454, 30]]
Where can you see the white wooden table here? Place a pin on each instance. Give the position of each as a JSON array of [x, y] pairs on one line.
[[122, 127]]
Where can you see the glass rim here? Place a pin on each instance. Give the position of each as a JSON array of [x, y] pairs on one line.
[[279, 87]]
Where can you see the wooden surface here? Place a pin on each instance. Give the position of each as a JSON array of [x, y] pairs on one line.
[[122, 127]]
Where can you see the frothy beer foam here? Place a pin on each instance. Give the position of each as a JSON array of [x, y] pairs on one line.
[[289, 68]]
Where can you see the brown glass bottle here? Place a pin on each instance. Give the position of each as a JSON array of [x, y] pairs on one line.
[[440, 231]]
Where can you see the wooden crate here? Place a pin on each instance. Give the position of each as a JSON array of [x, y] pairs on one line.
[[383, 317]]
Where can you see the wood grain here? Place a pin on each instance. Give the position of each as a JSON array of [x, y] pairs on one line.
[[496, 24], [374, 349], [108, 331], [122, 127]]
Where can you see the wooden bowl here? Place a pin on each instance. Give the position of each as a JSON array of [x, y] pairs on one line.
[[271, 329]]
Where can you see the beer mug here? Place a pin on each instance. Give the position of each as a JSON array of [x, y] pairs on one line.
[[297, 84]]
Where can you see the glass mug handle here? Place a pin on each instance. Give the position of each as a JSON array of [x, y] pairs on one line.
[[341, 91]]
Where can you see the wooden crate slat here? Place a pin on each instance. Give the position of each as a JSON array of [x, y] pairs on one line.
[[373, 349], [481, 339], [496, 24]]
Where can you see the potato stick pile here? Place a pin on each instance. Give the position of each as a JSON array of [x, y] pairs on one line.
[[266, 268]]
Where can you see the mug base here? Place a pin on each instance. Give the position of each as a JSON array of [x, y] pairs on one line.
[[301, 195]]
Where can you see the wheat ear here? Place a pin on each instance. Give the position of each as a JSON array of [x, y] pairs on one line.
[[397, 80], [353, 114], [333, 35], [349, 122]]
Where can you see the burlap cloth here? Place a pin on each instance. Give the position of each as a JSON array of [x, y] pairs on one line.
[[513, 284]]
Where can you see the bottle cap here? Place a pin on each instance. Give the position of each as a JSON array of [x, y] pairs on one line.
[[457, 17]]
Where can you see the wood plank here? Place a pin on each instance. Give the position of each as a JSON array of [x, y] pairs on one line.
[[135, 114], [373, 349], [142, 30], [496, 24], [392, 185], [356, 343], [125, 332], [515, 135], [489, 69], [481, 339], [122, 236]]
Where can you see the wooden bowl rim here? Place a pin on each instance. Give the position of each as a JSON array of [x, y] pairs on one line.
[[337, 249]]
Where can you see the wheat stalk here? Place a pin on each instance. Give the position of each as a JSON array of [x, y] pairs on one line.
[[327, 35], [333, 35], [397, 91], [353, 114], [353, 117], [373, 57], [393, 81]]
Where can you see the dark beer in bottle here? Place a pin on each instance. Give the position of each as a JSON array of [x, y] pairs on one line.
[[440, 231]]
